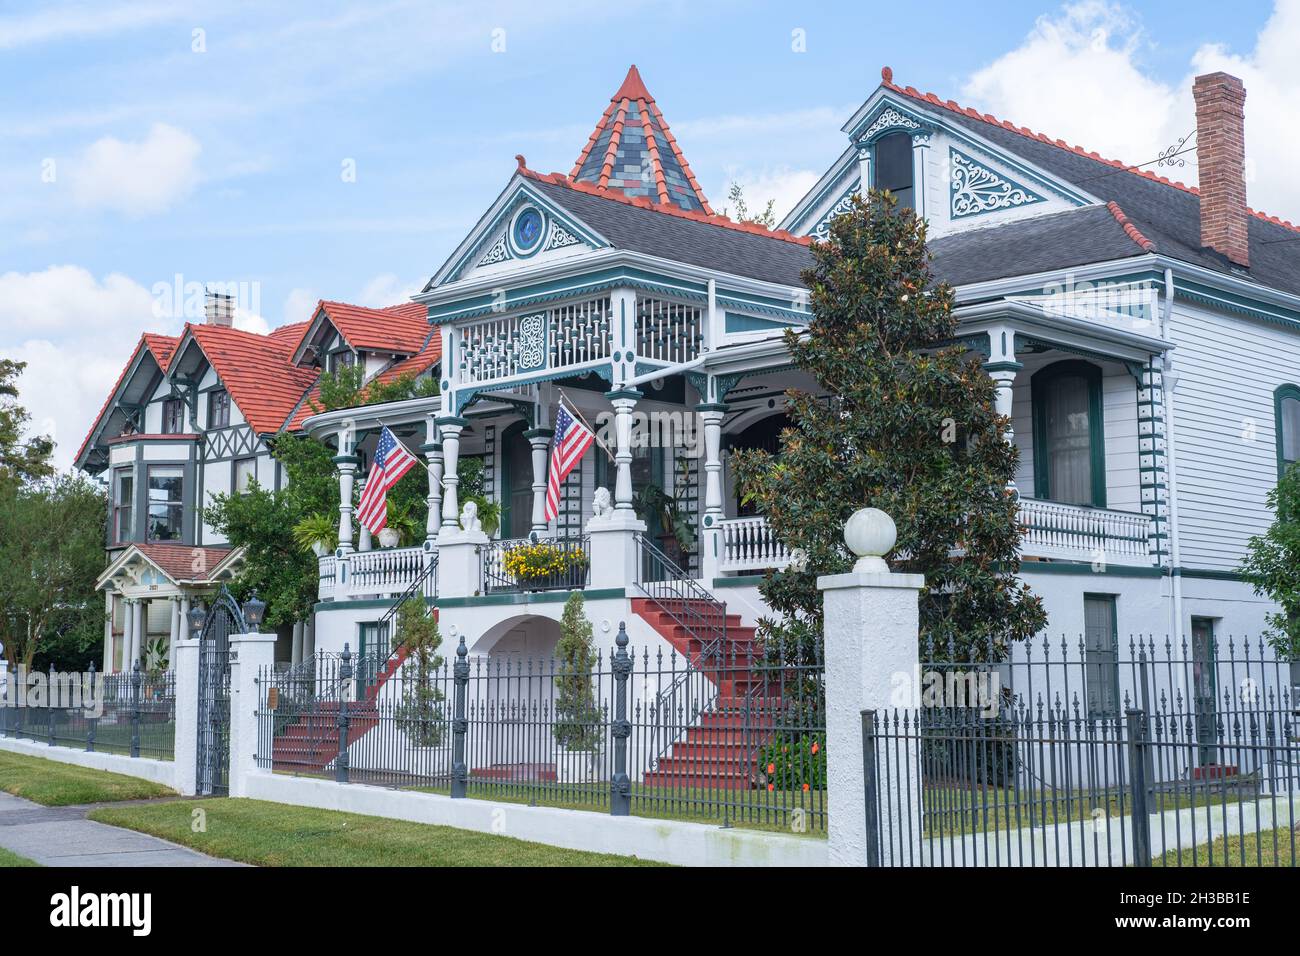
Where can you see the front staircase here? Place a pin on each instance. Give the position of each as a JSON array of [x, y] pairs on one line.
[[310, 742], [718, 751]]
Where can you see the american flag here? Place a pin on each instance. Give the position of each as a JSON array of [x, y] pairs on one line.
[[392, 461], [571, 441]]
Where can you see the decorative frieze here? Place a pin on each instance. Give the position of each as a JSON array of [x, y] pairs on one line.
[[975, 189]]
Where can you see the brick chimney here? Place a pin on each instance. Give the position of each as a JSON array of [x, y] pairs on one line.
[[219, 309], [1221, 156]]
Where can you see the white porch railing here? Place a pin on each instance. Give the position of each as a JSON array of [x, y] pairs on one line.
[[748, 544], [383, 573], [1078, 533]]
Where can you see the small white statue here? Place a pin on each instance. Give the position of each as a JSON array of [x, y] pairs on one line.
[[469, 517], [601, 505]]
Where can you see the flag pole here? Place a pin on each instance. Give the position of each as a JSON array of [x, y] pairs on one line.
[[595, 434]]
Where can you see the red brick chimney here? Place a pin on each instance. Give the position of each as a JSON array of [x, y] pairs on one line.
[[1221, 155]]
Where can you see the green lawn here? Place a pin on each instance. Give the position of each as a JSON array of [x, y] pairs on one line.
[[274, 834], [57, 784], [1269, 848], [8, 859]]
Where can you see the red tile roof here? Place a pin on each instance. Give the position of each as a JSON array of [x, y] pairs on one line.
[[256, 370], [396, 328], [289, 335], [414, 365], [183, 562], [887, 80], [161, 347], [634, 110], [1131, 230]]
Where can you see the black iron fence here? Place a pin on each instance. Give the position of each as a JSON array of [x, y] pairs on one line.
[[738, 739], [547, 564], [124, 713], [1160, 753]]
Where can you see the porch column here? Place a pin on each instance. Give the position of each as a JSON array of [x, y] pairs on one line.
[[539, 440], [185, 618], [711, 415], [347, 466], [432, 451], [451, 427], [623, 400], [1003, 368], [106, 665], [175, 630], [139, 623], [364, 540], [295, 651], [309, 637], [864, 170]]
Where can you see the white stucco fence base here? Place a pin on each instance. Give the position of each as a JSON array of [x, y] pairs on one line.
[[666, 841], [159, 771]]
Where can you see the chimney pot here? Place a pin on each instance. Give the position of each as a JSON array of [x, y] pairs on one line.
[[1221, 158], [219, 309]]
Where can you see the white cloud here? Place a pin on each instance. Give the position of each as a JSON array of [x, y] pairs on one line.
[[300, 305], [387, 289], [137, 178], [1080, 76], [782, 185], [58, 23], [76, 333]]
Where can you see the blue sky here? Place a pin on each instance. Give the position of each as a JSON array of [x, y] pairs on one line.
[[145, 140]]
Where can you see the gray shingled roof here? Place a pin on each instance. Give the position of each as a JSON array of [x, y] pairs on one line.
[[1058, 241], [1167, 215]]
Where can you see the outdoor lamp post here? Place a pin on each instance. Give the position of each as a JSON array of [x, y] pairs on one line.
[[198, 615], [254, 611]]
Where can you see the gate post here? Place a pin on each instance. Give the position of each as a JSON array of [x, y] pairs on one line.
[[459, 725], [49, 702], [341, 719], [135, 709], [186, 747], [870, 788], [871, 648], [620, 787], [250, 654], [93, 721], [1137, 776]]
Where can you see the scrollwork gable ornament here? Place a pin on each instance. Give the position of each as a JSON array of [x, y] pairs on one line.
[[889, 118], [498, 253], [976, 189], [561, 237], [845, 204]]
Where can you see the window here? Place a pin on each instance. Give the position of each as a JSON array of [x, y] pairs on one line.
[[344, 359], [1286, 401], [173, 419], [166, 502], [1101, 655], [218, 408], [245, 474], [1069, 455], [123, 499], [892, 157]]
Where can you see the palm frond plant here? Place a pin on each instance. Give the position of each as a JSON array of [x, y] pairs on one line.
[[316, 533]]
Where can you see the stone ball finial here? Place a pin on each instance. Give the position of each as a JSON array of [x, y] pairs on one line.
[[870, 534]]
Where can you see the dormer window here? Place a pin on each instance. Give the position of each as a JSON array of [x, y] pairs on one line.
[[893, 167], [173, 418], [342, 360], [218, 408]]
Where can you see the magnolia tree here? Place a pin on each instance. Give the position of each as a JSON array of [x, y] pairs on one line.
[[906, 424], [1272, 565]]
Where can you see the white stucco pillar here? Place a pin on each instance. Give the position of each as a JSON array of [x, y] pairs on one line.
[[295, 649], [185, 619], [347, 466], [309, 637], [432, 451], [185, 664], [450, 427], [624, 401], [539, 441], [251, 655], [364, 540], [871, 649], [711, 415]]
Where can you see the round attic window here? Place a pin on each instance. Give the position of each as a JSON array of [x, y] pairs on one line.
[[526, 231]]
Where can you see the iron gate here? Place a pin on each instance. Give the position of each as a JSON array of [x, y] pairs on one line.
[[224, 618]]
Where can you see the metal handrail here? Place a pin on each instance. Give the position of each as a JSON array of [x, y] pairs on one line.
[[388, 623]]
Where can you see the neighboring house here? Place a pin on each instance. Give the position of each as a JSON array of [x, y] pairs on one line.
[[1088, 289], [189, 418]]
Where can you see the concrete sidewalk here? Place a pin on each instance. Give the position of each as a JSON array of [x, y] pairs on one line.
[[62, 836]]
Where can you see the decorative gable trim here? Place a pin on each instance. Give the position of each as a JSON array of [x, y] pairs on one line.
[[888, 119], [822, 230], [490, 242], [976, 188]]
